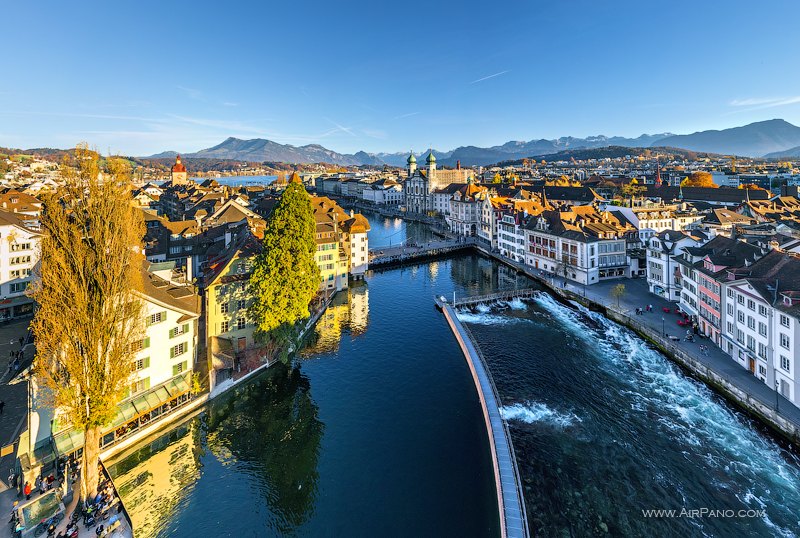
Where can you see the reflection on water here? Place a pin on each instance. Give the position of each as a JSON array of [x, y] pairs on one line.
[[391, 442], [274, 411], [348, 313], [392, 231]]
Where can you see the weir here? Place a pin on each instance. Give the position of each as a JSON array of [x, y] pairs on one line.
[[524, 293], [510, 501]]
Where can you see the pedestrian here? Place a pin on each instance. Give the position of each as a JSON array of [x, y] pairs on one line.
[[2, 405], [27, 491], [21, 340]]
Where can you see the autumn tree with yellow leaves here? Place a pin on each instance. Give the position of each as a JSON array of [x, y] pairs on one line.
[[89, 318]]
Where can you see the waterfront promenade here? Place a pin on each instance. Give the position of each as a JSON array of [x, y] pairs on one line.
[[511, 505]]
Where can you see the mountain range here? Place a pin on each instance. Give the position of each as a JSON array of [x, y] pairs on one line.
[[771, 138]]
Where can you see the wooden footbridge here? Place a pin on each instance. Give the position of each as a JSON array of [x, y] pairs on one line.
[[507, 295]]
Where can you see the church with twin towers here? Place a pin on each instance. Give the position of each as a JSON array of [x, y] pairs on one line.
[[421, 183]]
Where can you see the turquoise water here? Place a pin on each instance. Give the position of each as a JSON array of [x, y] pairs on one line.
[[377, 430]]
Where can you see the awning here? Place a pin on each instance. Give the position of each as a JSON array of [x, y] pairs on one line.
[[178, 386], [125, 412], [151, 400], [68, 441]]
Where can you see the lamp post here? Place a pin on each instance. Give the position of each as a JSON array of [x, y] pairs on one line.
[[777, 395], [663, 331]]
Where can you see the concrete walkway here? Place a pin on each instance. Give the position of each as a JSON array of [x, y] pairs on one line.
[[513, 518]]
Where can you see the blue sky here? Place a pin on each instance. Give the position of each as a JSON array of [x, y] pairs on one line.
[[144, 77]]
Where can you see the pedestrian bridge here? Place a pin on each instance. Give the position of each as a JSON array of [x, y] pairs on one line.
[[382, 256], [507, 295], [510, 500]]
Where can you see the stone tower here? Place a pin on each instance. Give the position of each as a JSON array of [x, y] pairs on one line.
[[179, 174]]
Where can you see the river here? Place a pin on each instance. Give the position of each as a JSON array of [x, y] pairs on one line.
[[377, 429], [605, 427]]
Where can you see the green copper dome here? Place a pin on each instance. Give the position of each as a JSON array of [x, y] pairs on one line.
[[411, 159], [431, 158]]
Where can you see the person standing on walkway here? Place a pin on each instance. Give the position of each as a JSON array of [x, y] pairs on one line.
[[2, 405], [27, 491]]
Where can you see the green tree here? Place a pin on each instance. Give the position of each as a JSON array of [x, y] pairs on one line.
[[617, 292], [285, 275]]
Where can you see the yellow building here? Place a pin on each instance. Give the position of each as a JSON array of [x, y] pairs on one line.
[[226, 298], [342, 245]]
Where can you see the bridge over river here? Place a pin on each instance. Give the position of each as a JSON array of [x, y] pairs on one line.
[[510, 500]]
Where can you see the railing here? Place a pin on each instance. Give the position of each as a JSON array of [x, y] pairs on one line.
[[507, 294], [517, 478]]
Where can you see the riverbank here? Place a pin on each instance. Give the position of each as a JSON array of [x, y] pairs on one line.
[[724, 376]]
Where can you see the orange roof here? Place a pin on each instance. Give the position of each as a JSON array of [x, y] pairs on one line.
[[178, 167]]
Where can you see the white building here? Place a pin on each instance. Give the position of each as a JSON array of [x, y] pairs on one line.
[[19, 253], [386, 192], [663, 272], [761, 321]]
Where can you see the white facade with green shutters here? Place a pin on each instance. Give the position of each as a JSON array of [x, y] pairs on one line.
[[168, 349]]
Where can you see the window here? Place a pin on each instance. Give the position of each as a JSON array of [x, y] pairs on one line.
[[751, 304], [17, 287], [785, 364], [740, 299], [730, 294], [240, 304], [762, 310], [751, 322], [224, 326], [224, 307], [140, 345], [241, 323], [751, 343], [158, 317], [179, 368], [20, 259], [140, 385], [178, 350], [730, 328], [762, 350], [20, 273], [784, 320], [16, 247], [740, 316], [762, 370], [785, 340], [730, 309], [179, 330], [762, 328], [141, 364]]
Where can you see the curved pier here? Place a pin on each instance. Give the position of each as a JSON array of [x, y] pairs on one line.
[[510, 502]]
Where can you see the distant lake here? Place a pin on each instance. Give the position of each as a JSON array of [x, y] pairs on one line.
[[238, 181]]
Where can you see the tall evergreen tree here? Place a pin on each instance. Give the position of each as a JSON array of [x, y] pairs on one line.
[[285, 277]]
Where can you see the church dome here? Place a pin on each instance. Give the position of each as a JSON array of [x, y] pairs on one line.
[[431, 158], [411, 159]]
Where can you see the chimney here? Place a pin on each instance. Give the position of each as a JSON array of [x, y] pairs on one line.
[[458, 165], [189, 270], [227, 238]]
